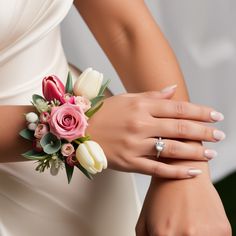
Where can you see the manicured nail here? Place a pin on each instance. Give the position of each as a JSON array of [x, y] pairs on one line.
[[169, 88], [210, 153], [216, 116], [218, 135], [194, 172]]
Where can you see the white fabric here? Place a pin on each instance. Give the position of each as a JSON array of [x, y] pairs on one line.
[[39, 204]]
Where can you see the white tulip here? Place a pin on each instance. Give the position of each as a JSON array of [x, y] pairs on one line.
[[91, 156], [31, 117], [88, 84]]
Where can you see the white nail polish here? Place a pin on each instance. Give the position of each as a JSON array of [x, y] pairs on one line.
[[216, 116], [210, 153], [168, 89], [218, 135], [194, 172]]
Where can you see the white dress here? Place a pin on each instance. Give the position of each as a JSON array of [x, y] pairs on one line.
[[34, 204]]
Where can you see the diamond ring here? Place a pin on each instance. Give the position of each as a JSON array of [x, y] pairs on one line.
[[160, 145]]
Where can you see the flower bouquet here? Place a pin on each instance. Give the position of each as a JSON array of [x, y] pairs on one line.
[[57, 129]]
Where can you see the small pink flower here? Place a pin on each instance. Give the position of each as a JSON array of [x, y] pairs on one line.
[[67, 149], [67, 98], [70, 161], [68, 122], [83, 102], [37, 146], [53, 88], [44, 117], [40, 131]]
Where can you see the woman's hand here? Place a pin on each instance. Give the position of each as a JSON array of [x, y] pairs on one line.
[[127, 126], [182, 208]]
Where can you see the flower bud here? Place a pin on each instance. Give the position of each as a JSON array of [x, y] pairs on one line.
[[53, 88], [40, 131], [88, 84], [67, 149], [91, 156], [31, 117], [32, 126]]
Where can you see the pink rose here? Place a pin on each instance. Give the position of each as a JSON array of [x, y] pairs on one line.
[[67, 149], [67, 98], [44, 117], [68, 121], [53, 88], [40, 131], [83, 102]]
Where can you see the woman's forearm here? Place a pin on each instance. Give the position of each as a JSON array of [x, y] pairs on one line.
[[11, 122], [136, 47]]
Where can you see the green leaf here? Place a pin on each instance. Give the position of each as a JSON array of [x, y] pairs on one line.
[[50, 143], [96, 100], [69, 84], [103, 87], [93, 110], [27, 134], [69, 172], [84, 171], [33, 155], [37, 98]]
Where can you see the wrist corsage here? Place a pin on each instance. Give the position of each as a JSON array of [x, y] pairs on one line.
[[57, 129]]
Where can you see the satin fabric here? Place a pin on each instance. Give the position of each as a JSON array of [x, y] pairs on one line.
[[40, 204]]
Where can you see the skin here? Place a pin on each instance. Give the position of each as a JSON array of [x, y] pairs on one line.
[[144, 60]]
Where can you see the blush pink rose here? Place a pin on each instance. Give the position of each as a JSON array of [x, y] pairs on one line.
[[67, 98], [40, 131], [68, 122], [83, 102], [67, 149]]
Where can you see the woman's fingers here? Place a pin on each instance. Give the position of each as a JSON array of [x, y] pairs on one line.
[[184, 110], [159, 169], [183, 129], [177, 150]]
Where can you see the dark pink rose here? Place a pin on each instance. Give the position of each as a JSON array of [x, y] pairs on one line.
[[37, 146], [68, 122], [53, 88]]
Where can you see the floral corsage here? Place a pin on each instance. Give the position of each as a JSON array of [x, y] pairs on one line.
[[57, 129]]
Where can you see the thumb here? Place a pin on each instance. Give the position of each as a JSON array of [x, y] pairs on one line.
[[168, 92]]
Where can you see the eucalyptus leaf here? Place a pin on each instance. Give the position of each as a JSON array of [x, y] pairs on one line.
[[69, 172], [37, 97], [84, 171], [69, 84], [33, 155], [40, 103], [103, 87], [27, 134], [93, 110], [50, 143], [96, 100]]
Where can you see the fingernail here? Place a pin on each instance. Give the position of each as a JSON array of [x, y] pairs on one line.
[[218, 135], [210, 153], [194, 172], [168, 89], [216, 116]]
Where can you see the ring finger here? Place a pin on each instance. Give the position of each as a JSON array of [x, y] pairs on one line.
[[176, 149]]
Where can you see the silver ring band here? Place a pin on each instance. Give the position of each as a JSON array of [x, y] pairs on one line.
[[160, 145]]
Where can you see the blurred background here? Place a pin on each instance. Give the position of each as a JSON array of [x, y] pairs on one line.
[[204, 41]]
